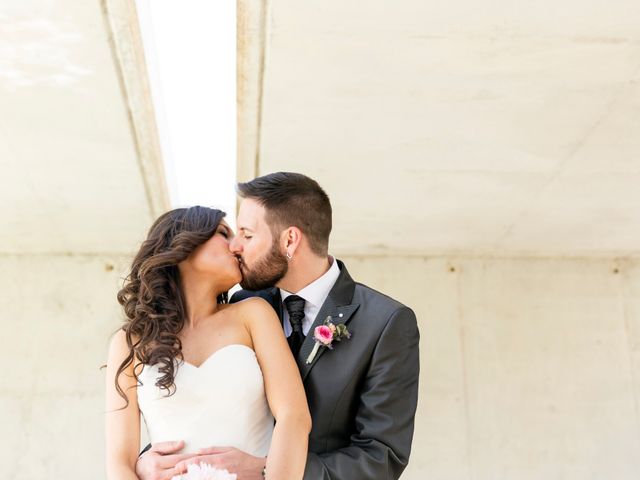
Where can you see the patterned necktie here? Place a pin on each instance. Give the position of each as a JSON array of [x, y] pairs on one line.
[[295, 307]]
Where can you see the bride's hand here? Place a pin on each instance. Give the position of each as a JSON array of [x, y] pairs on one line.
[[246, 466], [159, 462]]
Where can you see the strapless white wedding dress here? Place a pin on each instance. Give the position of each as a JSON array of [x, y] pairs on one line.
[[220, 403]]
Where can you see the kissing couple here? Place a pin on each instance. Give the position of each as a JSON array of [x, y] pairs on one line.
[[303, 374]]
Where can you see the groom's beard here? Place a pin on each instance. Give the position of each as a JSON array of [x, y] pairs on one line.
[[266, 272]]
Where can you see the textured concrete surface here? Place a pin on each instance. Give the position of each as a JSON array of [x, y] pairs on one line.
[[446, 135], [530, 368], [482, 164], [452, 127], [72, 177], [58, 314], [79, 187]]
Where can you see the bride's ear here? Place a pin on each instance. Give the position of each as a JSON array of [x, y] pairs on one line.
[[291, 238]]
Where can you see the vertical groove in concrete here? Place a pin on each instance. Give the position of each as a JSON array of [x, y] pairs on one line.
[[465, 373], [624, 293], [252, 24], [123, 32], [266, 12]]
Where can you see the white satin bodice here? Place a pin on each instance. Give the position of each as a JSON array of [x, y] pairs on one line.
[[220, 403]]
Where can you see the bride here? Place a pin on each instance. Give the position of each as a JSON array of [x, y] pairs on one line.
[[198, 369]]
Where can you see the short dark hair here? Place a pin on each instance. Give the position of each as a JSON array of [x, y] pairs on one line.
[[293, 200]]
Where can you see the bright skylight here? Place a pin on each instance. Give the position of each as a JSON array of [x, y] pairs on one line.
[[190, 49]]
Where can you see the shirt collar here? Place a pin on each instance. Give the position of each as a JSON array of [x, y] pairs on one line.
[[317, 291]]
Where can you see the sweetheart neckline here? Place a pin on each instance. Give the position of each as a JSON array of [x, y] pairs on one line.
[[198, 367]]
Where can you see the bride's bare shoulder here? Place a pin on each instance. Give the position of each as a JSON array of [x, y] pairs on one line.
[[252, 303], [254, 307], [119, 347], [118, 344]]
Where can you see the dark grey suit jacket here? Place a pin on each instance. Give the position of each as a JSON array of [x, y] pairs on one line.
[[362, 394]]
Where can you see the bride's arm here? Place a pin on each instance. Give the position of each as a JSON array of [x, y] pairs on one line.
[[122, 425], [285, 393]]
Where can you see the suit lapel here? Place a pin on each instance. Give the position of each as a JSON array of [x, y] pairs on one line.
[[339, 307]]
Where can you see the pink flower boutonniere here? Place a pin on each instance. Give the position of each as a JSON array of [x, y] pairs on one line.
[[325, 335]]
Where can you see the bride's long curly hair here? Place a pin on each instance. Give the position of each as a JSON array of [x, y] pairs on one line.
[[152, 296]]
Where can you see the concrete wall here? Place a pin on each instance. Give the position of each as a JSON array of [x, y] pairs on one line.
[[510, 127], [482, 170], [81, 181], [530, 367], [58, 312]]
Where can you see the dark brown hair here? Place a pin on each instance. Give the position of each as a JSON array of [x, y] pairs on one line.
[[152, 297], [293, 200]]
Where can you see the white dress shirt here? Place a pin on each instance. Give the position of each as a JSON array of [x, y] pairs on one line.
[[314, 295]]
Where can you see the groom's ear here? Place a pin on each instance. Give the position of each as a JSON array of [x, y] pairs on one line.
[[291, 238]]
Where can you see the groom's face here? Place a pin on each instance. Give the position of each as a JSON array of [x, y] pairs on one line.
[[261, 261]]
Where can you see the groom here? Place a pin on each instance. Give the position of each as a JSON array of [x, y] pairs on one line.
[[363, 392]]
